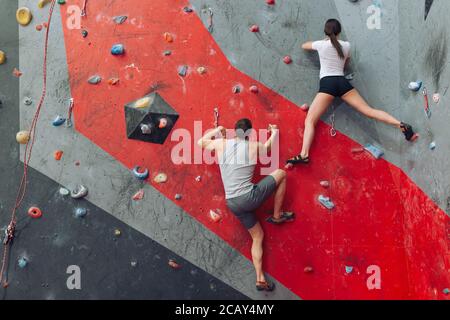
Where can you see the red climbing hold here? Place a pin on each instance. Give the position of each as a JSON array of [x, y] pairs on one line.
[[139, 195], [254, 89], [270, 2], [254, 28], [214, 216], [174, 264], [39, 27], [304, 107], [17, 73], [287, 60], [308, 270], [34, 213], [58, 155]]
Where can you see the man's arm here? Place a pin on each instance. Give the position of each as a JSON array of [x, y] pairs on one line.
[[207, 141], [308, 46], [273, 135]]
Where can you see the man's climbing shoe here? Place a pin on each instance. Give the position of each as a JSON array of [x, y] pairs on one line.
[[265, 286], [408, 131], [298, 160], [285, 217]]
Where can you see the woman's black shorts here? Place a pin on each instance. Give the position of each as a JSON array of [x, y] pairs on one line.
[[337, 86]]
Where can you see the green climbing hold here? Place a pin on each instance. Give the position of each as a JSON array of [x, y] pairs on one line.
[[61, 1]]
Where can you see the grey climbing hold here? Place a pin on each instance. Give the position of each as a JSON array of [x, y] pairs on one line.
[[167, 53], [376, 152], [120, 19], [178, 196], [79, 192], [80, 212], [415, 86], [182, 70], [58, 121], [188, 10], [348, 269], [350, 76], [433, 146], [22, 263], [237, 89], [326, 202], [133, 263], [27, 101], [64, 192], [84, 33], [140, 173], [95, 79]]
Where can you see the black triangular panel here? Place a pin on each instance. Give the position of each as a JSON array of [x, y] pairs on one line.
[[428, 4]]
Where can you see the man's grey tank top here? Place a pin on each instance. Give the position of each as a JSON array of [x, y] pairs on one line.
[[237, 168]]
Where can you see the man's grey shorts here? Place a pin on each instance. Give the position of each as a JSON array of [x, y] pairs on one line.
[[243, 206]]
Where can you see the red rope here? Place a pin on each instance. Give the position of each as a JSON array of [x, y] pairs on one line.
[[26, 160]]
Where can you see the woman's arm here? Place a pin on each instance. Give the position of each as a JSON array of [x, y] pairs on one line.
[[308, 46]]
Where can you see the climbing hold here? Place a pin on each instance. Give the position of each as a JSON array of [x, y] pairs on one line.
[[58, 155], [178, 196], [254, 28], [64, 191], [326, 202], [84, 33], [27, 101], [120, 19], [163, 123], [357, 150], [215, 216], [42, 3], [117, 233], [198, 178], [304, 107], [22, 262], [254, 89], [174, 264], [140, 174], [59, 120], [139, 195], [308, 270], [95, 79], [117, 49], [436, 98], [289, 166], [77, 163], [23, 16], [142, 103], [80, 212], [167, 53], [39, 27], [237, 89], [376, 152], [182, 70], [2, 57], [168, 37], [34, 213], [61, 1], [23, 137], [188, 10], [160, 178], [79, 192], [415, 86], [147, 128], [348, 269], [45, 24], [113, 81], [433, 146], [270, 2], [17, 73], [287, 60], [350, 76], [446, 291], [325, 184], [133, 263], [201, 70]]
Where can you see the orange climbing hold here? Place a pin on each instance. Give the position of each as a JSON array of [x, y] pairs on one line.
[[17, 73], [2, 57], [58, 155], [168, 37], [215, 216], [113, 81]]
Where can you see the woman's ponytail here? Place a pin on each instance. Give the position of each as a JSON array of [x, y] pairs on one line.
[[332, 29]]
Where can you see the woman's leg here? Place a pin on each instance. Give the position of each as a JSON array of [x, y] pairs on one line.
[[319, 106], [354, 99]]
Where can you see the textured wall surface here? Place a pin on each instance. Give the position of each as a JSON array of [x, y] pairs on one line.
[[389, 212]]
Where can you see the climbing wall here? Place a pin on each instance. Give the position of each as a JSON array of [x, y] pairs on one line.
[[390, 213]]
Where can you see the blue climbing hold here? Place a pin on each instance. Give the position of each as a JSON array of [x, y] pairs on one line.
[[117, 49], [95, 79], [22, 263], [348, 269], [376, 152], [446, 291], [140, 174], [120, 19], [415, 86], [80, 212], [59, 120], [182, 70], [326, 202]]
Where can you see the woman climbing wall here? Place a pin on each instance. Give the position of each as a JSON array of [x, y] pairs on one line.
[[334, 56]]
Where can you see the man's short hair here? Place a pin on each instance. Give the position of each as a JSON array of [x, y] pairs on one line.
[[243, 128]]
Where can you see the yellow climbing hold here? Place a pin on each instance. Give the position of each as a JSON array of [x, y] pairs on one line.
[[23, 16], [142, 103], [42, 3], [160, 178], [2, 57], [23, 137]]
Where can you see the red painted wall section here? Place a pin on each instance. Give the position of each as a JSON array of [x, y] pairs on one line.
[[381, 218]]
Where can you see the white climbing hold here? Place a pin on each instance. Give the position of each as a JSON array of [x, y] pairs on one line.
[[64, 191], [160, 178]]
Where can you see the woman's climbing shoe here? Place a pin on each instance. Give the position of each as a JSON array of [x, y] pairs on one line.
[[297, 160], [408, 131], [265, 286]]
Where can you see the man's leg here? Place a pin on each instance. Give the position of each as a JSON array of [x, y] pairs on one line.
[[280, 178], [257, 234]]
